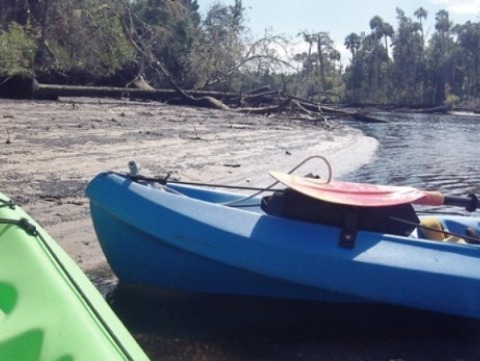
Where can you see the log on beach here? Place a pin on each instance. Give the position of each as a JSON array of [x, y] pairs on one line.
[[163, 95], [18, 86]]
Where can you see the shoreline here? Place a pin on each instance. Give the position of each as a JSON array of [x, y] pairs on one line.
[[50, 150]]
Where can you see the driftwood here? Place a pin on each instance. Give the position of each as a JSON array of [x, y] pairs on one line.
[[17, 87], [442, 109], [162, 95], [472, 110], [266, 103]]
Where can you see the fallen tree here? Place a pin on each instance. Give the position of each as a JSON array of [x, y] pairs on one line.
[[43, 91], [266, 102]]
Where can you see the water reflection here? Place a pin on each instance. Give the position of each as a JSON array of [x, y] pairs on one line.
[[183, 326]]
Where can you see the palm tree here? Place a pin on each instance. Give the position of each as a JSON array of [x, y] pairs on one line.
[[443, 23], [377, 25], [352, 43], [442, 58], [388, 32], [335, 57], [421, 13], [310, 40], [324, 48], [468, 36], [324, 45], [381, 29]]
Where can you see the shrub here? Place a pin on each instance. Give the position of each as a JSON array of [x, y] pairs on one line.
[[17, 50]]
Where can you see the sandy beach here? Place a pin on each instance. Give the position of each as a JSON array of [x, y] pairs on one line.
[[50, 150]]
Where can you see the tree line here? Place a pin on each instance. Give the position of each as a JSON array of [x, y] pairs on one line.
[[168, 43]]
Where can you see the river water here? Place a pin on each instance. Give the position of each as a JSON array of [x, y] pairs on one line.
[[428, 152], [433, 152]]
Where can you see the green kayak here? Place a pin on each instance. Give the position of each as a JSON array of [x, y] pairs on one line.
[[49, 310]]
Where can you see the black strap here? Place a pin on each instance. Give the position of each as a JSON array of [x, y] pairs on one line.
[[349, 229], [23, 223], [9, 204]]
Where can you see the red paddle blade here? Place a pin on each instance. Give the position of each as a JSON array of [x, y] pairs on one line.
[[357, 194]]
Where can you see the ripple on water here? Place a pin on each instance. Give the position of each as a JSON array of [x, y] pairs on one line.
[[428, 152]]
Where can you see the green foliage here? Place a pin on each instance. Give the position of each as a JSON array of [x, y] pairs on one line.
[[88, 37], [17, 50], [169, 29], [452, 99], [415, 73], [219, 51], [409, 59], [112, 48], [388, 64], [321, 69]]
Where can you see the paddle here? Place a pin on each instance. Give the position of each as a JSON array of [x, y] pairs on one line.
[[432, 198], [370, 195], [470, 202]]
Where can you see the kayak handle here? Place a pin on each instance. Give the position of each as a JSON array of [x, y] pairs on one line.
[[432, 198], [470, 202]]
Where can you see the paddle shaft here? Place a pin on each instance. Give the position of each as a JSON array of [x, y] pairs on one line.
[[470, 202], [438, 199]]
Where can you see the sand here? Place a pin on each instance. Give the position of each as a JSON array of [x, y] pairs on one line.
[[50, 150]]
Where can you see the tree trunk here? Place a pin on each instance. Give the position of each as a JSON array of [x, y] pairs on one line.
[[43, 91]]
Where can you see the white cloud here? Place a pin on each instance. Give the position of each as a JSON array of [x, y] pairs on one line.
[[460, 6]]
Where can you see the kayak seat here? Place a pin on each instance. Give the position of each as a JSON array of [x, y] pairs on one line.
[[294, 205], [431, 228]]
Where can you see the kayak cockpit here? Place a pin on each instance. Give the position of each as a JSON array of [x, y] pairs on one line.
[[398, 220]]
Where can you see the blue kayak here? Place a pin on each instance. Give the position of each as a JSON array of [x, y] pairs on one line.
[[193, 238]]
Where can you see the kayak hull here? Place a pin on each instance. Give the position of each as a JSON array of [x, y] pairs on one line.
[[191, 241], [153, 261], [49, 310]]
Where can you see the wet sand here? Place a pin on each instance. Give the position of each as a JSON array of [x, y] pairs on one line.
[[50, 150]]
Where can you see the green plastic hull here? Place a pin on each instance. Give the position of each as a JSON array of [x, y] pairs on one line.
[[49, 310]]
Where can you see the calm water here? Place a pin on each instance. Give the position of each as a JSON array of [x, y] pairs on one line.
[[428, 152], [425, 151]]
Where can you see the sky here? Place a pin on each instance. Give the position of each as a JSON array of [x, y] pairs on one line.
[[342, 17]]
